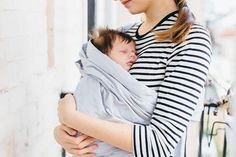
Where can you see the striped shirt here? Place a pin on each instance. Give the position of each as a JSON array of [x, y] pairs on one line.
[[177, 72]]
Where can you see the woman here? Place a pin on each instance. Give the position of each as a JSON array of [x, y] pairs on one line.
[[174, 57]]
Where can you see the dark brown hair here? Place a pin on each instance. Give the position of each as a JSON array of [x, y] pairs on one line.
[[178, 32], [104, 38]]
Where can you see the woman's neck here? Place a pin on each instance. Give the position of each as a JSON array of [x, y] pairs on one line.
[[158, 10]]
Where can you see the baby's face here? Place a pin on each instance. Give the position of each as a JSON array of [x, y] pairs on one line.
[[123, 53]]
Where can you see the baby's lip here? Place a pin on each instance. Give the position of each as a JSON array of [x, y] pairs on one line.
[[130, 62]]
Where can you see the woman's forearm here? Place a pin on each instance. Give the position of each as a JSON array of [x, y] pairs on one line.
[[116, 134]]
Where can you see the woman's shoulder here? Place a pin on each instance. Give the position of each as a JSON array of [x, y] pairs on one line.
[[198, 39], [198, 29], [199, 34]]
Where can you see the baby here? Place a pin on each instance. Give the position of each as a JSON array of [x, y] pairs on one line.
[[106, 90], [118, 46]]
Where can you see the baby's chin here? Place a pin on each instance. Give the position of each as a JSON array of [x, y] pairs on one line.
[[127, 68]]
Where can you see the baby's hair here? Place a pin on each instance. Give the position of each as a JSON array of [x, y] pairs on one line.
[[104, 38]]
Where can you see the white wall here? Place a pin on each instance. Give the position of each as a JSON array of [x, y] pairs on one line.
[[29, 87]]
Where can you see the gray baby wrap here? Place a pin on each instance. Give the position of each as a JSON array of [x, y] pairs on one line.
[[108, 92]]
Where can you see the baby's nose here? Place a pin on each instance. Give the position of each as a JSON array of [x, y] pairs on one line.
[[133, 55]]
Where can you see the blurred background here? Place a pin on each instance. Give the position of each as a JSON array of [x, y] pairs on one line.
[[40, 42]]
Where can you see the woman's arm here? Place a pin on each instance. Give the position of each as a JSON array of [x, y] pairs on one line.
[[116, 134]]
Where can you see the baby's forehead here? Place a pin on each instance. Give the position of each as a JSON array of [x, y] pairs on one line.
[[124, 41]]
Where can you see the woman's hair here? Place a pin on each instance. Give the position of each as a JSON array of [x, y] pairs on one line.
[[104, 38], [178, 32]]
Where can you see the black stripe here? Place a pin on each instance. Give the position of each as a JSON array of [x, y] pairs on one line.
[[149, 68], [169, 130], [182, 78], [134, 142], [197, 30], [160, 144], [131, 31], [182, 72], [155, 49], [173, 107], [144, 38], [156, 143], [138, 43], [188, 49], [195, 56], [140, 141], [161, 29], [158, 62], [174, 82], [200, 44], [150, 74], [145, 45], [188, 67], [177, 115], [152, 41], [153, 57], [177, 96], [153, 154], [191, 38], [175, 101], [172, 20], [150, 62], [180, 90], [164, 134], [146, 142], [189, 61], [155, 52], [147, 62], [170, 120], [160, 79]]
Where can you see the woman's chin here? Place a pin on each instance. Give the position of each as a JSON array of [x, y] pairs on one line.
[[134, 12]]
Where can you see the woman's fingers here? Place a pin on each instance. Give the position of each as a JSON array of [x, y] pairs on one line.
[[88, 141], [86, 150], [81, 152], [84, 138], [63, 137], [68, 130]]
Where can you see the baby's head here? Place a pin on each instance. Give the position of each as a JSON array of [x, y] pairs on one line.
[[120, 47]]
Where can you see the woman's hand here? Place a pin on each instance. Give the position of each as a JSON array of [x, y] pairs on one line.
[[81, 146], [65, 107]]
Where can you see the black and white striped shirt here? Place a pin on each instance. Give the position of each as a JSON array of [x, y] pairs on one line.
[[177, 72]]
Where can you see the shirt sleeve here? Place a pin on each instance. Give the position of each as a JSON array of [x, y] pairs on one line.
[[186, 72]]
